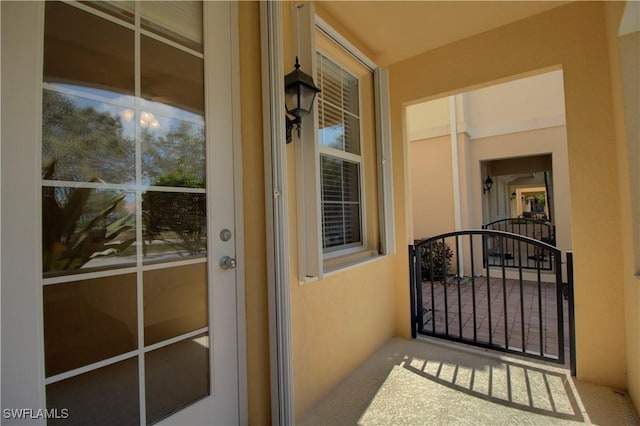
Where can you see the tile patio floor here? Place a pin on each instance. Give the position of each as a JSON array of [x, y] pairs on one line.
[[527, 319]]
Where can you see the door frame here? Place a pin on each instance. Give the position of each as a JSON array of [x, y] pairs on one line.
[[22, 372], [277, 218]]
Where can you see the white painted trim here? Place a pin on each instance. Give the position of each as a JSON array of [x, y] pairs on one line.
[[457, 202], [383, 135], [341, 155], [630, 22], [428, 133], [0, 192], [241, 294], [22, 347], [307, 150], [22, 355], [385, 162], [345, 44], [90, 367], [484, 132], [282, 395], [457, 194], [135, 26], [517, 126], [355, 264]]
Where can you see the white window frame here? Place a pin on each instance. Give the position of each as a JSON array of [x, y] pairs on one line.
[[311, 255], [346, 249]]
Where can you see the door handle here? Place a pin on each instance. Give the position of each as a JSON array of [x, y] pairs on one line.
[[228, 263]]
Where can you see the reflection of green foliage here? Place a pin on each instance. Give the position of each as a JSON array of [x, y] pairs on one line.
[[84, 142], [178, 219], [71, 237], [183, 177], [179, 152]]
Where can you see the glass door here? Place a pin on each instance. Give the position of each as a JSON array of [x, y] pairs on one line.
[[138, 317]]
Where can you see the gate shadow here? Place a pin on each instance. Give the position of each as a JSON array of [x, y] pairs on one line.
[[516, 385]]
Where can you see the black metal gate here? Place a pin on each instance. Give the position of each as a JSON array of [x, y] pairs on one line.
[[530, 257], [520, 305]]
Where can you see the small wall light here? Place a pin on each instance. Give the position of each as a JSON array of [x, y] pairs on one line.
[[300, 92], [488, 183], [513, 195]]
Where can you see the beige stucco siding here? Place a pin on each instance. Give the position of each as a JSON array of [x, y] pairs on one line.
[[258, 376], [431, 177], [574, 38], [623, 61]]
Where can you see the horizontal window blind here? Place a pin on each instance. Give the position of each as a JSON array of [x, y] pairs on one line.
[[341, 207], [339, 106], [340, 161]]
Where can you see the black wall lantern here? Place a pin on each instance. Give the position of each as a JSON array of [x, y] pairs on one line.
[[488, 183], [300, 92]]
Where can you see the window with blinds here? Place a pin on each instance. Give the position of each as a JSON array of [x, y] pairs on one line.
[[340, 156]]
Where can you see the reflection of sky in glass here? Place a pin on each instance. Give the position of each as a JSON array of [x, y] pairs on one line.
[[172, 111], [121, 99], [113, 110], [96, 92], [172, 150], [173, 141], [332, 136], [87, 139]]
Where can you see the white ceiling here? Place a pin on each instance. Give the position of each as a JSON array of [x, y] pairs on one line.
[[391, 31]]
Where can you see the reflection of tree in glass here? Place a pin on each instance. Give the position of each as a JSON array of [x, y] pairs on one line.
[[84, 142], [181, 150], [177, 219], [80, 224]]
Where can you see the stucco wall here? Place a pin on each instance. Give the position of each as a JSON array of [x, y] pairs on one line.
[[337, 322], [625, 100], [258, 376], [572, 37], [523, 104], [431, 177]]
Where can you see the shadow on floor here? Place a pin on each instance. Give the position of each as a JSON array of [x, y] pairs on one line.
[[417, 382]]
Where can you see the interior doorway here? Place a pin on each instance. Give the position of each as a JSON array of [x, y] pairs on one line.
[[513, 133], [521, 187]]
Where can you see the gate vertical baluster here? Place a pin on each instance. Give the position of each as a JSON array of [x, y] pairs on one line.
[[484, 243], [560, 310], [537, 258], [444, 283], [417, 272], [412, 291], [458, 281], [473, 288], [504, 294], [572, 324], [528, 252], [513, 249], [524, 342], [433, 303]]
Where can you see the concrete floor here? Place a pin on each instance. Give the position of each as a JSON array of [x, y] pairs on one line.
[[425, 382]]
